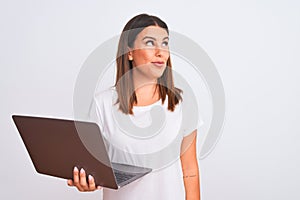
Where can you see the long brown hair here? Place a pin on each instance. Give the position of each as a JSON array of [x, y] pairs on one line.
[[124, 80]]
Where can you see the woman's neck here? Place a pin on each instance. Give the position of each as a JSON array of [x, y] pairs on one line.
[[146, 93]]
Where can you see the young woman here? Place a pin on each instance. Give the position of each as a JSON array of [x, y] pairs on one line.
[[144, 80]]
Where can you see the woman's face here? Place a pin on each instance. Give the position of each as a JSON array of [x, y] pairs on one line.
[[150, 52]]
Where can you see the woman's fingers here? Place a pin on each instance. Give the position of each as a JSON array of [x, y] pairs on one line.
[[80, 181], [92, 185], [75, 176], [76, 179], [70, 183]]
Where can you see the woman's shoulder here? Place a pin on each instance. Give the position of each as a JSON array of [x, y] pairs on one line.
[[105, 96], [106, 93]]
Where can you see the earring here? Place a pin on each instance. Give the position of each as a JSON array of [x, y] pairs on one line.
[[130, 58]]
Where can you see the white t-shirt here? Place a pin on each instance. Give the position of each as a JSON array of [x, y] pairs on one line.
[[143, 140]]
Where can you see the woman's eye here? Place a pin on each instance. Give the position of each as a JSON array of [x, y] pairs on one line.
[[165, 43], [150, 43]]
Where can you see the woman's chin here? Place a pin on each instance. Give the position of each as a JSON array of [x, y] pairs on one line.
[[157, 73]]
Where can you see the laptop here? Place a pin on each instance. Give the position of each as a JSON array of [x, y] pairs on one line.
[[55, 146]]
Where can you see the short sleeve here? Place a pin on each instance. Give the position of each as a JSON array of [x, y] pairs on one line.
[[191, 117], [96, 110], [192, 125]]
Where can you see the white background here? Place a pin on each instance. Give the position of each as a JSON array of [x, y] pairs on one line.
[[255, 46]]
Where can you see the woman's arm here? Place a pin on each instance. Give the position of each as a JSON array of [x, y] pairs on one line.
[[190, 166]]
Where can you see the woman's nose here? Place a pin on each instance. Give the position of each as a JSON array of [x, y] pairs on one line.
[[159, 51]]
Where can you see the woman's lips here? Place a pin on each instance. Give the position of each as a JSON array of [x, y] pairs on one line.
[[158, 64]]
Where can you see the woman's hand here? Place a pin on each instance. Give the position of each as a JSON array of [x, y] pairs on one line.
[[80, 181]]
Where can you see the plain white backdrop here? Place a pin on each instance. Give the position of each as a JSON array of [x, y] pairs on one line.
[[255, 46]]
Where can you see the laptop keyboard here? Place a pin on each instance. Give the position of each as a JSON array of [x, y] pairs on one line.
[[121, 177]]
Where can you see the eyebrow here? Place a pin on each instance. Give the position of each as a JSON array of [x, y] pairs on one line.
[[149, 37]]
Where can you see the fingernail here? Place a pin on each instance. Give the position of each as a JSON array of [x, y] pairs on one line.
[[75, 169], [82, 170], [90, 177]]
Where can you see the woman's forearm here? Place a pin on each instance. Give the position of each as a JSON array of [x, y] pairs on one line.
[[192, 184], [190, 169]]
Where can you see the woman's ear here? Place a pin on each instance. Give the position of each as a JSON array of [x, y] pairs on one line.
[[130, 57]]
